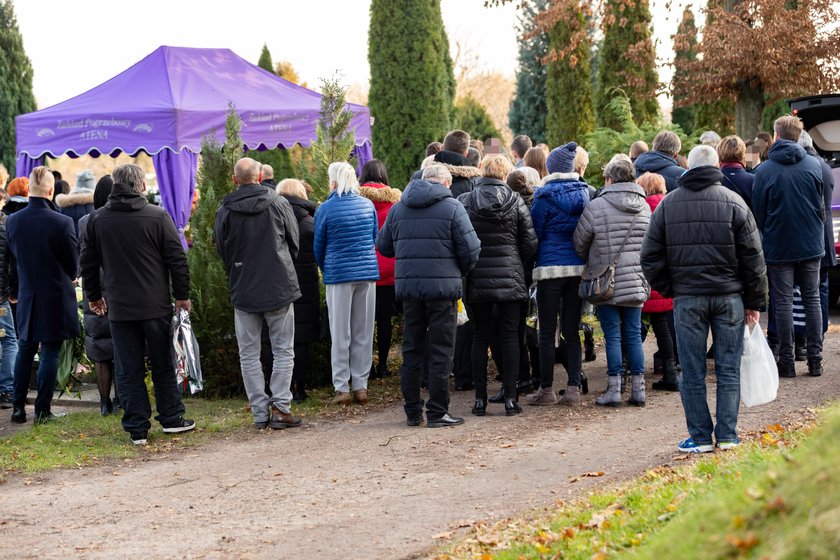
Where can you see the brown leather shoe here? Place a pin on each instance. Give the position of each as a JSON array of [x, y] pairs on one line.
[[342, 398], [281, 420], [360, 396]]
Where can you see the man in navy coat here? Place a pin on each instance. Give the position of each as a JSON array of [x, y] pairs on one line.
[[43, 245]]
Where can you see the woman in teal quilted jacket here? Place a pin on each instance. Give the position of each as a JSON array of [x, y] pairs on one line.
[[345, 233]]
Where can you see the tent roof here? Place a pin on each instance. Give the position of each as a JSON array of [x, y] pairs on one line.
[[171, 99]]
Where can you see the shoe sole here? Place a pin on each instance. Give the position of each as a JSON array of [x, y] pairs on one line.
[[479, 412], [446, 425], [283, 425], [413, 423], [700, 449], [542, 403], [726, 446], [18, 420], [640, 404], [610, 404], [178, 429], [139, 442], [513, 412]]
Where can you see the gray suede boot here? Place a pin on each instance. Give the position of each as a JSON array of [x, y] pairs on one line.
[[637, 393], [571, 397], [612, 397]]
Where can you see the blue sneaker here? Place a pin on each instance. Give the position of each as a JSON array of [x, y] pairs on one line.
[[690, 446], [724, 445]]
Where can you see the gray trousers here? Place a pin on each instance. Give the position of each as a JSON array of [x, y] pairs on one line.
[[281, 331], [352, 307]]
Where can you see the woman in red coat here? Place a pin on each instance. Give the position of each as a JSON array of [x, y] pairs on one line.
[[660, 308], [375, 187]]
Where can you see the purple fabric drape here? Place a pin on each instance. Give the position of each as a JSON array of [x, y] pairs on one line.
[[364, 154], [25, 165], [176, 181]]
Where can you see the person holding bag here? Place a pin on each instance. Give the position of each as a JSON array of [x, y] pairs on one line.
[[609, 237]]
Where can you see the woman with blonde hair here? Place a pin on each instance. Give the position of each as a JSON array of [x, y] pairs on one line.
[[308, 305], [535, 158], [496, 289], [345, 233], [732, 153]]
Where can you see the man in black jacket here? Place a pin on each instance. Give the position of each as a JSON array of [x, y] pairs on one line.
[[8, 337], [662, 159], [456, 145], [257, 238], [138, 248], [703, 249], [434, 243]]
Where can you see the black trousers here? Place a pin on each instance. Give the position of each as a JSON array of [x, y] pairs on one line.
[[429, 330], [559, 295], [301, 366], [130, 339], [662, 330], [495, 321]]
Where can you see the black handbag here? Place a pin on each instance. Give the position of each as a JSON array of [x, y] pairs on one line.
[[597, 284]]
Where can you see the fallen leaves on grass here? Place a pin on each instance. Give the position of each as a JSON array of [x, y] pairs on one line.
[[743, 544]]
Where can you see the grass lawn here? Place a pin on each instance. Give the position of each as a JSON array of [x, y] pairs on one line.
[[777, 496], [84, 438]]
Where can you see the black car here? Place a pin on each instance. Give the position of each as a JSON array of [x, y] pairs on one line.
[[821, 116]]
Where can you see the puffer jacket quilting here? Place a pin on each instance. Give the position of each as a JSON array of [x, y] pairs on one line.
[[555, 212], [503, 225], [345, 234], [601, 230]]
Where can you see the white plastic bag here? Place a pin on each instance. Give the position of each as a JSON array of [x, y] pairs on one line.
[[759, 374], [462, 314]]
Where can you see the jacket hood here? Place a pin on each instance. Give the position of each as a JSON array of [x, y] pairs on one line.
[[701, 177], [124, 198], [556, 188], [422, 194], [75, 198], [491, 198], [627, 197], [301, 207], [653, 162], [377, 192], [786, 152], [458, 165], [249, 199]]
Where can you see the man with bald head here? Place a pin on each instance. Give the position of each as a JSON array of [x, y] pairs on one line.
[[268, 177], [257, 239], [143, 266]]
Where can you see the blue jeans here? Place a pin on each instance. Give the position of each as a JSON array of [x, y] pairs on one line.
[[47, 373], [9, 345], [783, 276], [693, 317], [622, 324]]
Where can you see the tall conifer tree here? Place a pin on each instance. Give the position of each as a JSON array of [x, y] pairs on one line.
[[16, 95], [527, 112], [412, 85], [685, 49], [265, 59]]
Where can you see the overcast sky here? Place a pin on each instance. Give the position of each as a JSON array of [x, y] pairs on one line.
[[75, 45]]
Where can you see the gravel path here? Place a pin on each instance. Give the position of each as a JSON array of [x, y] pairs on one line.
[[365, 488]]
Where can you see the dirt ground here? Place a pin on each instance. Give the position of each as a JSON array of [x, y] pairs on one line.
[[366, 488]]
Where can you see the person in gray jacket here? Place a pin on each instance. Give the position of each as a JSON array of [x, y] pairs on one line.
[[598, 238]]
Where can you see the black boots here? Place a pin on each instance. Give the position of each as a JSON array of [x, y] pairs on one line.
[[480, 406], [512, 407], [19, 415], [800, 349], [815, 368], [669, 381], [588, 343]]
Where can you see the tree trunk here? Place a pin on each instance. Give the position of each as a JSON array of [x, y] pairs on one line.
[[749, 107]]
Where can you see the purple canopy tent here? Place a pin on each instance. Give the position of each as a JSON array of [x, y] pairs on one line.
[[165, 104]]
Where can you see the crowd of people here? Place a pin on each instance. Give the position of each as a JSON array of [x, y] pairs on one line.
[[680, 246]]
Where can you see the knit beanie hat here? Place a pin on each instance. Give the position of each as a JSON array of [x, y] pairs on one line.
[[19, 187], [562, 159], [85, 180], [103, 191]]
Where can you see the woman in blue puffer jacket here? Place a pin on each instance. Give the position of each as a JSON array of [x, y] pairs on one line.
[[555, 212], [345, 233]]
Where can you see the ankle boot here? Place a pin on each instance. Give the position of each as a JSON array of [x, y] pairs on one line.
[[669, 381], [498, 398], [571, 397], [480, 406], [800, 349], [588, 344], [512, 407], [612, 396], [106, 407], [637, 393], [815, 368]]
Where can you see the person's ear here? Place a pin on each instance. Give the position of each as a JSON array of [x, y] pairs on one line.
[[144, 187], [235, 182]]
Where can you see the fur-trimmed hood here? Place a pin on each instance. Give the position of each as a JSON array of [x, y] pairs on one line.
[[560, 177], [466, 171], [377, 192], [74, 199]]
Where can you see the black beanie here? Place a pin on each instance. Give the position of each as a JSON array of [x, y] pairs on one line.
[[102, 191]]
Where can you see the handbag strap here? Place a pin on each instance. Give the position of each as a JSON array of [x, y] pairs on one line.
[[626, 237]]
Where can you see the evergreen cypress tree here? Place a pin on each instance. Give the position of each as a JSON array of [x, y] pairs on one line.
[[527, 112], [265, 60], [570, 112], [16, 97], [685, 51], [412, 85], [334, 140], [628, 60], [471, 116], [212, 312]]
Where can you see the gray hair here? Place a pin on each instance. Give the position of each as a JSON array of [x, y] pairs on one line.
[[131, 175], [437, 174], [620, 170], [532, 176], [667, 142], [806, 141], [710, 138], [700, 156], [344, 176], [267, 171], [246, 171]]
